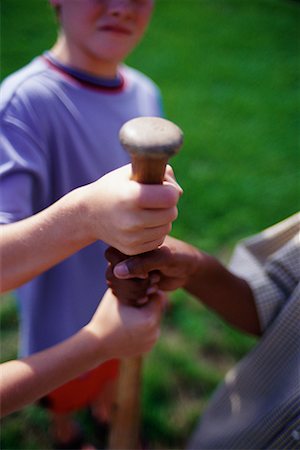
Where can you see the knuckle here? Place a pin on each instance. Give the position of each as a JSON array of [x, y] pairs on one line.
[[174, 213], [166, 254], [172, 195], [166, 229], [159, 242], [109, 274]]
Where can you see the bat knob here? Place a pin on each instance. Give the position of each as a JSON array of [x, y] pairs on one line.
[[151, 136], [150, 141]]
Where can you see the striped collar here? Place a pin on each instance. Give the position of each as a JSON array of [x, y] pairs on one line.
[[84, 78]]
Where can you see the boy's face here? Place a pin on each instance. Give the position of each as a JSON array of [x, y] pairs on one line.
[[102, 30]]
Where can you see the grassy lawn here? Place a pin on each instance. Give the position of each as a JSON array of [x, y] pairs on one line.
[[229, 74]]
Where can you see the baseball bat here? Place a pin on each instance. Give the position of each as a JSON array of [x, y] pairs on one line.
[[150, 141]]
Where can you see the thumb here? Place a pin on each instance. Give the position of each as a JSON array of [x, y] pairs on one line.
[[129, 269], [139, 266], [136, 267]]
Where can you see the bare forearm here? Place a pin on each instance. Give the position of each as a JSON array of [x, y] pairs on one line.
[[24, 381], [33, 245], [115, 209], [181, 265], [228, 295], [115, 331]]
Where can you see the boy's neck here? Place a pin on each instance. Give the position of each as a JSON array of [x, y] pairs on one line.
[[66, 56]]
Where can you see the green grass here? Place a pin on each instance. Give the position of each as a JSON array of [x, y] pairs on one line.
[[229, 74]]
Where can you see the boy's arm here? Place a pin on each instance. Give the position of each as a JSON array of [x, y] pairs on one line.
[[115, 331], [180, 265], [115, 209], [33, 245]]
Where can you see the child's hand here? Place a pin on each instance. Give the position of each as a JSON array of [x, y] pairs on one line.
[[130, 216], [167, 268], [124, 331]]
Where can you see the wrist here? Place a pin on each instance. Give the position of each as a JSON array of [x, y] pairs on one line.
[[201, 266], [197, 263], [98, 342], [93, 347], [77, 218]]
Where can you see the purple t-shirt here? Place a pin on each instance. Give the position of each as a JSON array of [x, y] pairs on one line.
[[57, 133]]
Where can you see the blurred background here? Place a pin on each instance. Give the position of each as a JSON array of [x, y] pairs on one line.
[[229, 75]]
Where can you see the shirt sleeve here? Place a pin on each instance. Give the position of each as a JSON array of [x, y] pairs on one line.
[[272, 278], [23, 163]]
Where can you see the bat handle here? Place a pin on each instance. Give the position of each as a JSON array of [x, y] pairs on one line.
[[126, 414], [147, 170], [125, 427]]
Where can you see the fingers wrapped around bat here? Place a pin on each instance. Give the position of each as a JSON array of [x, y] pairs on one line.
[[114, 256], [134, 291]]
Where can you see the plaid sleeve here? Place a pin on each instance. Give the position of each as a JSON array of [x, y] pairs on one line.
[[272, 278]]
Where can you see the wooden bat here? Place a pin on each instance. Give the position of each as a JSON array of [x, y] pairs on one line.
[[150, 141]]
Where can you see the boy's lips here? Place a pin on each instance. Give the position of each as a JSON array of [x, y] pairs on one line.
[[115, 29]]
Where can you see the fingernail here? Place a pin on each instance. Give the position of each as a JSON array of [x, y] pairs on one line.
[[154, 278], [121, 270], [142, 301], [152, 290]]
